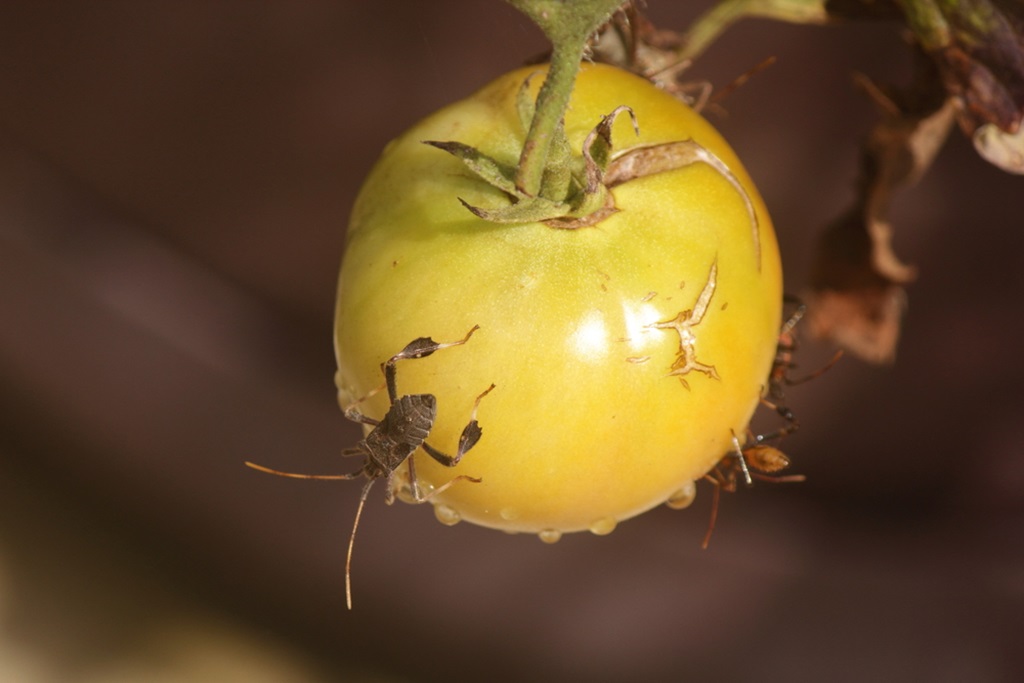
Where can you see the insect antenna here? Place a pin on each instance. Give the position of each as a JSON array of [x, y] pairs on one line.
[[741, 460], [352, 542], [359, 511], [817, 373], [296, 475]]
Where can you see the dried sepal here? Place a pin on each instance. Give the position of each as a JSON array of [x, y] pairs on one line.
[[521, 208], [631, 42], [597, 147], [493, 172], [638, 162], [574, 194], [532, 210], [592, 218]]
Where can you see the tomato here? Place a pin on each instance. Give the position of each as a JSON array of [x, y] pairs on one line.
[[626, 355]]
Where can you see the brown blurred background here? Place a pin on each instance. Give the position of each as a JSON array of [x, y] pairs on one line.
[[175, 179]]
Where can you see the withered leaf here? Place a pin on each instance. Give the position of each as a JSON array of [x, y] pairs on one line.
[[857, 296]]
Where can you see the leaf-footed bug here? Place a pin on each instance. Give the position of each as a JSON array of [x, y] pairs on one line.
[[395, 437], [779, 377], [758, 460]]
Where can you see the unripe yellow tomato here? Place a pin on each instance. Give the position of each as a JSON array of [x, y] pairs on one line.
[[625, 355]]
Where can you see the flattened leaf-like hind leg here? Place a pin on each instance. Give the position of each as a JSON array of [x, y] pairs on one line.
[[471, 433], [417, 348]]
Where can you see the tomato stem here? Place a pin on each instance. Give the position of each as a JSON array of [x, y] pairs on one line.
[[568, 25]]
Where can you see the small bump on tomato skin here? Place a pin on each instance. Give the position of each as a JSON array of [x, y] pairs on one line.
[[627, 353]]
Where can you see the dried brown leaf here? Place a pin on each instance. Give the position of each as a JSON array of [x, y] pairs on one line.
[[857, 296]]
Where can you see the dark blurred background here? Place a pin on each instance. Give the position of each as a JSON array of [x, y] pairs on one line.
[[175, 179]]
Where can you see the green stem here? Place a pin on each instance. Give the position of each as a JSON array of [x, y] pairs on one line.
[[971, 24], [551, 105], [568, 25], [716, 20]]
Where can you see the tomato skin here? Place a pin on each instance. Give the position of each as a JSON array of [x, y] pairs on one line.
[[586, 426]]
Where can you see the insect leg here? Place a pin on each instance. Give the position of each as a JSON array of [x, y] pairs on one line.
[[794, 319], [417, 348], [353, 414], [780, 478], [470, 435], [791, 426], [349, 452], [777, 394], [716, 497], [814, 375], [418, 497], [413, 481], [444, 487]]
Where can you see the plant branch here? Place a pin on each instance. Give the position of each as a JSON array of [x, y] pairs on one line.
[[716, 20]]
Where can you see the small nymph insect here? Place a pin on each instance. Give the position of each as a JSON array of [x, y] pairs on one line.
[[395, 437], [758, 460]]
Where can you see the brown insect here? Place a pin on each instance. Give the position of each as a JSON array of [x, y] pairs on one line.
[[395, 437], [760, 461], [779, 377]]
